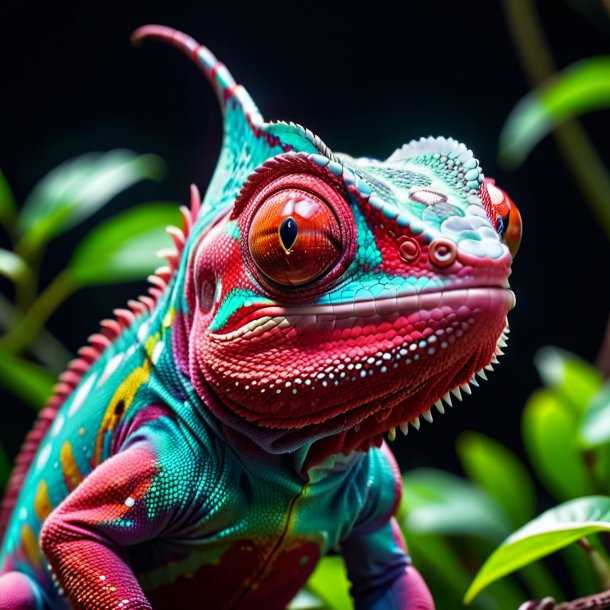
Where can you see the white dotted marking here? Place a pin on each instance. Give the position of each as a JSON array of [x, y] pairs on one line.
[[157, 352], [57, 425], [44, 456], [113, 365], [142, 332], [129, 502], [81, 394]]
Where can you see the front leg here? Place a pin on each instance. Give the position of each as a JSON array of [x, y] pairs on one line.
[[85, 536], [381, 572]]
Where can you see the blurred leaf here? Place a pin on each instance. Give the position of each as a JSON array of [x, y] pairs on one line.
[[8, 207], [553, 530], [78, 188], [549, 431], [12, 266], [444, 570], [498, 471], [329, 582], [578, 564], [124, 247], [28, 381], [442, 503], [580, 88], [595, 424], [432, 551], [573, 378]]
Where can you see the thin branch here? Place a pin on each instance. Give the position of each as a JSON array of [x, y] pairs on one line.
[[28, 327], [580, 157]]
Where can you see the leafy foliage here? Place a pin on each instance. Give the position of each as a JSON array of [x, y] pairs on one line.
[[580, 88], [120, 249]]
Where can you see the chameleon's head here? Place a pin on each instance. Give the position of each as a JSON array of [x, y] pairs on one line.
[[330, 300]]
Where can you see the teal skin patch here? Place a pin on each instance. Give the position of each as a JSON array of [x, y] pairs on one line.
[[234, 301], [232, 230], [367, 253], [379, 286]]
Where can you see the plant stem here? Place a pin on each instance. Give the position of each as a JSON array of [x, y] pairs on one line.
[[30, 325], [45, 347], [578, 153]]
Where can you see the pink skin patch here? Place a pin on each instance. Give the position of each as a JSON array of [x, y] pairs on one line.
[[17, 592], [355, 368]]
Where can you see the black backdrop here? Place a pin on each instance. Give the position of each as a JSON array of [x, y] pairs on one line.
[[366, 81]]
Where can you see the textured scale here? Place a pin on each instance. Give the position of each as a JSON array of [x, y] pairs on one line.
[[225, 431]]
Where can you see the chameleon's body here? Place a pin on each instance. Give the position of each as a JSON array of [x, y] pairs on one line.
[[223, 434]]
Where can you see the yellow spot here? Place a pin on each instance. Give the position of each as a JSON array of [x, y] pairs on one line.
[[42, 504], [169, 318], [30, 546], [150, 344], [81, 431], [72, 474], [119, 404]]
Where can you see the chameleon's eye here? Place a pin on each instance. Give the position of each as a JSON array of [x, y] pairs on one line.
[[294, 237], [509, 219]]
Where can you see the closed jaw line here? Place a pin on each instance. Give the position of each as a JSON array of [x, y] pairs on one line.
[[275, 317]]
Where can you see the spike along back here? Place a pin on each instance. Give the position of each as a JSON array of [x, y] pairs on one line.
[[225, 431]]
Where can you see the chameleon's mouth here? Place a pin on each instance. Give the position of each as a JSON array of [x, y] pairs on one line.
[[262, 321], [343, 375]]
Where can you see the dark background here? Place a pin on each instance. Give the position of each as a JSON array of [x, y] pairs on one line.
[[365, 81]]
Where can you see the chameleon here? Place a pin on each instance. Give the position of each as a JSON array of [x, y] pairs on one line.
[[222, 433]]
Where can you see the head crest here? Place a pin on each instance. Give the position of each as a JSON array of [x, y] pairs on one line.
[[248, 140], [216, 72]]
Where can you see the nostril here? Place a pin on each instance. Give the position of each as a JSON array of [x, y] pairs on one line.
[[442, 252], [408, 249]]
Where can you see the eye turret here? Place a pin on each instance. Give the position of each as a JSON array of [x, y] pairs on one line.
[[509, 223], [294, 237]]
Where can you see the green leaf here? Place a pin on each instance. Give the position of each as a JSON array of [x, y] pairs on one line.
[[595, 424], [12, 266], [27, 380], [499, 472], [573, 378], [580, 88], [442, 503], [124, 247], [553, 530], [433, 552], [8, 207], [78, 188], [329, 583], [549, 430]]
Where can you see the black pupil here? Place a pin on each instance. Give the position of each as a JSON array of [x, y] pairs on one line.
[[504, 223], [288, 233]]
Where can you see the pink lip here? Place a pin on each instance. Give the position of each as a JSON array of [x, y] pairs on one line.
[[484, 298]]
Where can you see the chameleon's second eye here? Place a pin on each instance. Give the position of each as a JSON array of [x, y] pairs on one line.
[[509, 218], [294, 237]]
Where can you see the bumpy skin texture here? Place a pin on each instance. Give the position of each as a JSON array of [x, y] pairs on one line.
[[224, 433]]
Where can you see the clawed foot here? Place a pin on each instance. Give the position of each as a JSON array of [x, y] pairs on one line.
[[548, 603]]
